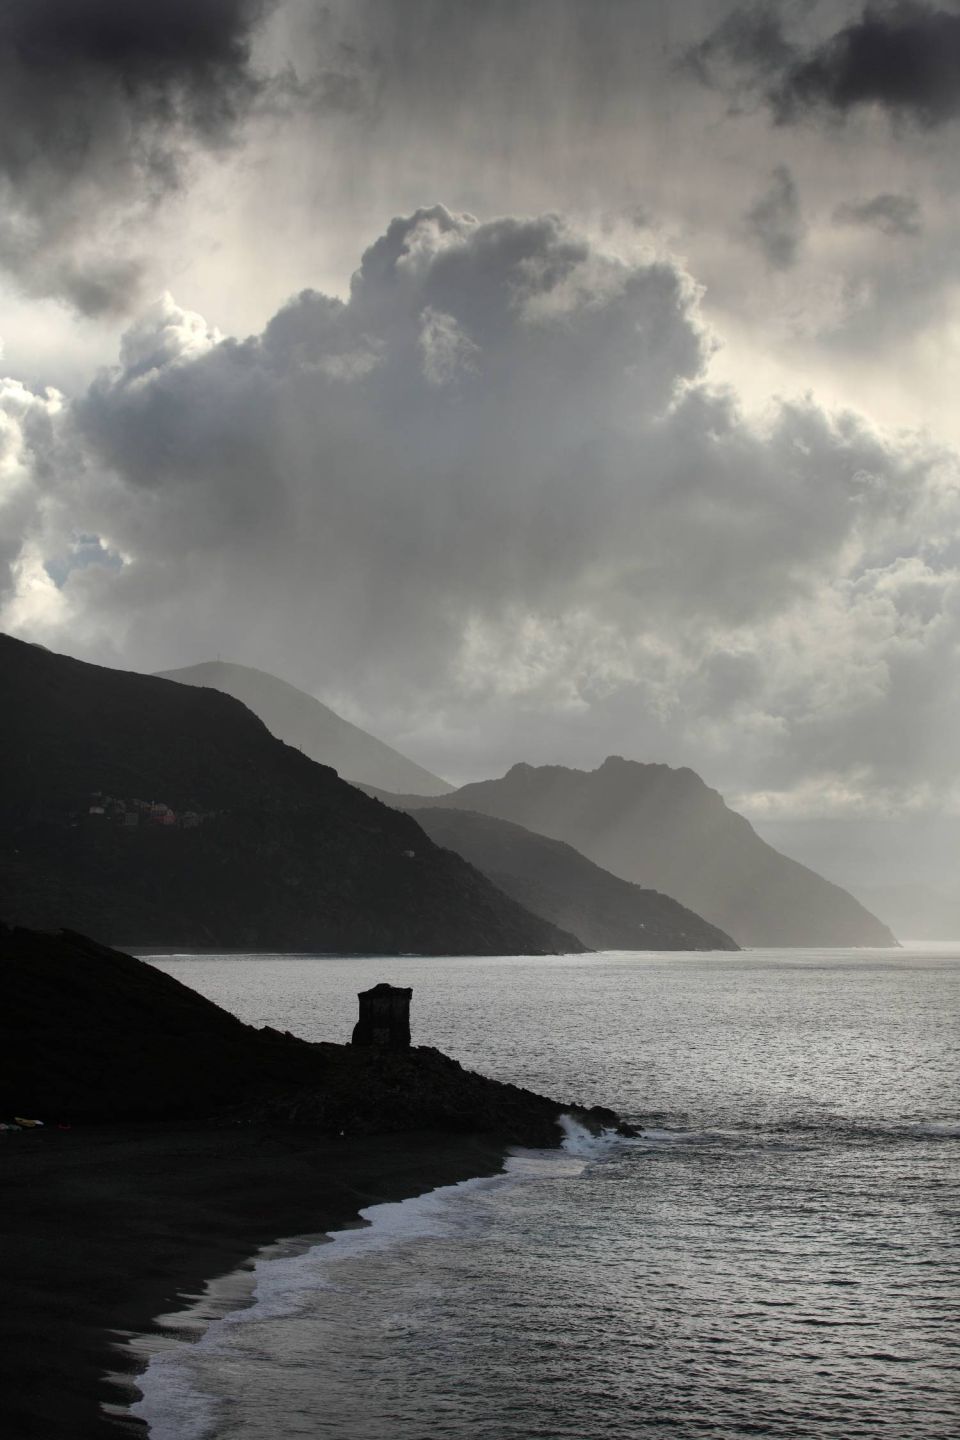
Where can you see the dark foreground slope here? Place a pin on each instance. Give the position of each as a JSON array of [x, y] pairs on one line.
[[266, 848], [156, 1188], [563, 886], [666, 829], [107, 1227], [322, 734], [88, 1034]]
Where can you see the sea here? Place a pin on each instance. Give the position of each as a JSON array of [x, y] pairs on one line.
[[776, 1254]]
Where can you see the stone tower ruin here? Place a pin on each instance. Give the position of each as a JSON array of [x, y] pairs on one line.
[[384, 1017]]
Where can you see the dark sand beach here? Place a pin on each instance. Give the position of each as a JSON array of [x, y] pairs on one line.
[[105, 1227], [179, 1141]]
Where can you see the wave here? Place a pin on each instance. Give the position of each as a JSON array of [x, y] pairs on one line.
[[855, 1129], [175, 1408], [657, 1136], [945, 1129], [802, 1129], [584, 1144]]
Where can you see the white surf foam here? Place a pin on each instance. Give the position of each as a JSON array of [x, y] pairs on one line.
[[175, 1408], [584, 1144], [173, 1404], [657, 1136]]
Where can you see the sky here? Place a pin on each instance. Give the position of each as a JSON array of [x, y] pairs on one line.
[[527, 379]]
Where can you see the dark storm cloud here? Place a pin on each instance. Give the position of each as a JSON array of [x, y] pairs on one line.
[[893, 215], [903, 57], [173, 59], [493, 484], [101, 103], [775, 221]]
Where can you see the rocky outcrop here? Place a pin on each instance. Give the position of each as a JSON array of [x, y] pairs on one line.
[[88, 1034], [373, 1090]]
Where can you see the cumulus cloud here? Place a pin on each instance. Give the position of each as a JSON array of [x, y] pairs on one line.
[[101, 105], [491, 500], [903, 57]]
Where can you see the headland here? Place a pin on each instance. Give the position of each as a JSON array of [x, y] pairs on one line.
[[176, 1142]]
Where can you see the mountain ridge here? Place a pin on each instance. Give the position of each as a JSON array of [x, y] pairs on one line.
[[666, 829], [553, 880], [152, 813], [299, 720]]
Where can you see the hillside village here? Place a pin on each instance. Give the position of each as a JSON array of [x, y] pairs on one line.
[[131, 814]]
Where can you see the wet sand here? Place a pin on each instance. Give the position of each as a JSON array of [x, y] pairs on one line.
[[103, 1228]]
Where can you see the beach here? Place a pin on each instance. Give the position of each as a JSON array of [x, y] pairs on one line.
[[107, 1227], [177, 1141]]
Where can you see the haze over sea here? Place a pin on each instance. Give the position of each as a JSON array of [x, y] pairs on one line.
[[777, 1255]]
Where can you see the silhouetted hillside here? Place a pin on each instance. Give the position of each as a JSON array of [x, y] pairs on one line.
[[666, 829], [561, 885], [90, 1034], [152, 813], [312, 727]]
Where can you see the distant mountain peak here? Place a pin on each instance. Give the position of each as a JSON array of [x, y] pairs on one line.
[[157, 813], [665, 829], [306, 723], [555, 881]]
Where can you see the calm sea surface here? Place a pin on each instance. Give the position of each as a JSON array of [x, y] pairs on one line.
[[778, 1255]]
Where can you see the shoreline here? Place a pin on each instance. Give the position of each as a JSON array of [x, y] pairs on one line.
[[109, 1228], [274, 1287], [258, 952]]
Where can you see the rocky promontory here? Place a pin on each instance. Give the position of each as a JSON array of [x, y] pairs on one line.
[[88, 1035], [175, 1142]]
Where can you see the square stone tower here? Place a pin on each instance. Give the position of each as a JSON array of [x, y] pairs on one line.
[[384, 1017]]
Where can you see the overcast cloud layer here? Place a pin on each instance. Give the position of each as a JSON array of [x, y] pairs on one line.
[[656, 456], [100, 105], [491, 494]]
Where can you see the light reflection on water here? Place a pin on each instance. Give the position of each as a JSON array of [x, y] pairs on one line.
[[779, 1256]]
